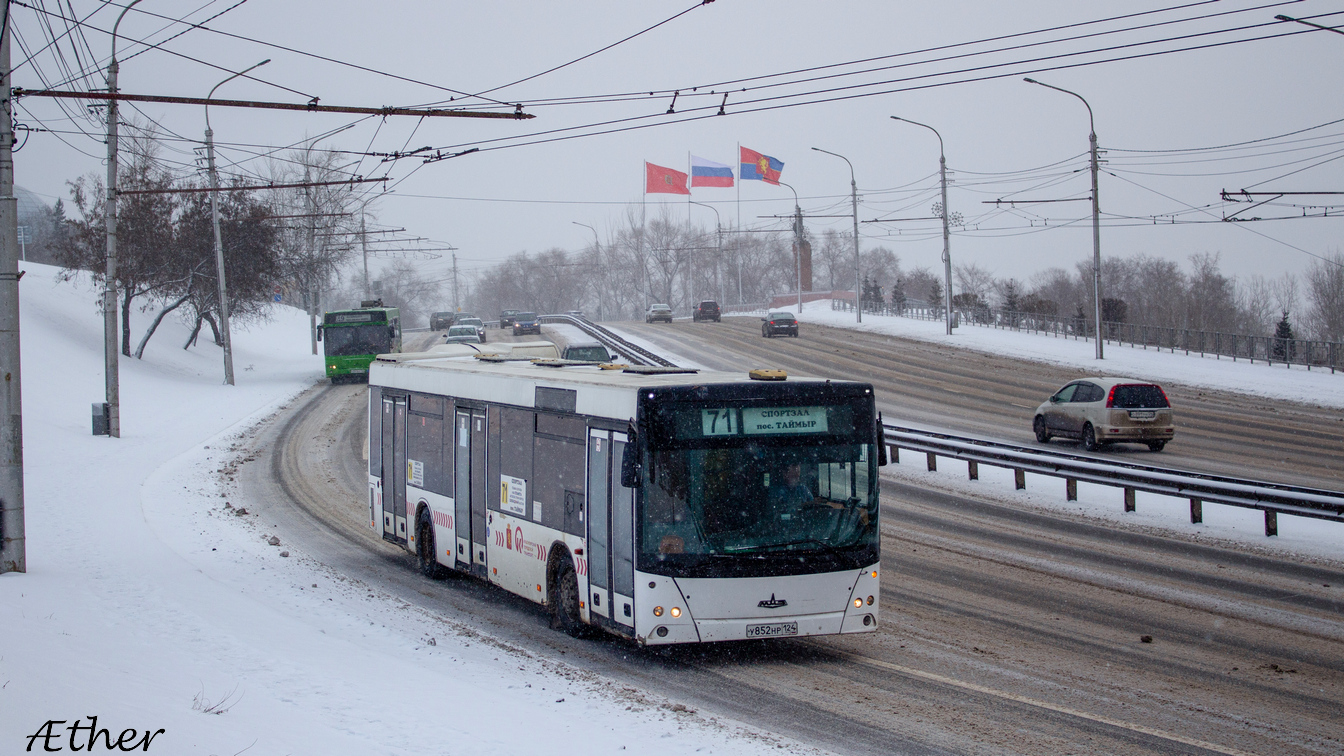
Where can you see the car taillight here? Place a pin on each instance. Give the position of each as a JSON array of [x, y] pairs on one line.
[[1110, 398], [1165, 400]]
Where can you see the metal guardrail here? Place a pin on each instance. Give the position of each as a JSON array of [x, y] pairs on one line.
[[1271, 498], [610, 340], [1270, 350]]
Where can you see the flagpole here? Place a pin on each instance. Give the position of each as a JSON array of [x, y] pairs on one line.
[[739, 187], [643, 209]]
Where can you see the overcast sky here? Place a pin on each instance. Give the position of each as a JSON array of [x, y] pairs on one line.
[[583, 162]]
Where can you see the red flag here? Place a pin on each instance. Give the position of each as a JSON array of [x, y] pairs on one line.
[[660, 180]]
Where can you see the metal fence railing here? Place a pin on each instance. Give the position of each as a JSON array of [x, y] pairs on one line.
[[1270, 498], [1270, 350]]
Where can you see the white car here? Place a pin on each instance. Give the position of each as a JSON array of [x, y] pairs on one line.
[[1100, 411]]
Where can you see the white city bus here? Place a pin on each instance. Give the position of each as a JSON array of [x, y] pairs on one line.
[[664, 506]]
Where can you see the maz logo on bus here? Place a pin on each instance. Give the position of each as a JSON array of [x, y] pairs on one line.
[[772, 603]]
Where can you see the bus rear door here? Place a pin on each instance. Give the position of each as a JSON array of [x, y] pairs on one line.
[[611, 566], [394, 468], [469, 485]]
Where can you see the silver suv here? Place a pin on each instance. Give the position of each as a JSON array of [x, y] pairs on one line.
[[1099, 411]]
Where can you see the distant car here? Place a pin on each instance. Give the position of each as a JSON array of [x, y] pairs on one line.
[[506, 318], [440, 320], [658, 312], [526, 322], [589, 351], [458, 317], [463, 334], [1100, 411], [707, 310], [475, 323], [777, 323]]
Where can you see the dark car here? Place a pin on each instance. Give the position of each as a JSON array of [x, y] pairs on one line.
[[658, 312], [440, 320], [526, 322], [506, 318], [777, 323], [707, 310]]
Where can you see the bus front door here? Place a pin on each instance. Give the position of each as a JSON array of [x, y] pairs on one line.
[[611, 569], [469, 488], [394, 468]]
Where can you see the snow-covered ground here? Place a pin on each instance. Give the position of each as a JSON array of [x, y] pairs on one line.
[[1319, 387], [149, 606]]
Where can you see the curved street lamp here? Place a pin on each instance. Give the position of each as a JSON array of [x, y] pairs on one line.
[[718, 247], [1096, 211], [597, 245], [947, 243], [214, 221], [854, 196]]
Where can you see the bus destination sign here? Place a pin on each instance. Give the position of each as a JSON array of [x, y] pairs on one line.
[[763, 420]]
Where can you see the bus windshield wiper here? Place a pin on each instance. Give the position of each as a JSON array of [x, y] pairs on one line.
[[777, 546]]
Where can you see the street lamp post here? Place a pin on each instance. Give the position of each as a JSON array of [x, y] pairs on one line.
[[1096, 212], [214, 221], [110, 367], [597, 245], [854, 197], [947, 237], [797, 244], [718, 247]]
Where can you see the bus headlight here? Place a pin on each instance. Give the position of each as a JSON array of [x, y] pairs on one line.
[[858, 602], [676, 611], [870, 601], [657, 611]]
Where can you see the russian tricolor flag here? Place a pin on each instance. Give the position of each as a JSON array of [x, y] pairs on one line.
[[708, 173]]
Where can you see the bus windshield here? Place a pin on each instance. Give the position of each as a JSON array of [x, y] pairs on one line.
[[790, 489], [344, 341]]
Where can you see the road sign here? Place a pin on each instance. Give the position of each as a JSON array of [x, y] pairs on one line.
[[279, 298]]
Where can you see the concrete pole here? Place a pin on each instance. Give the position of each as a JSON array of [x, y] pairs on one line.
[[858, 274], [110, 338], [364, 250], [1096, 237], [219, 257], [13, 549], [226, 334], [1096, 211], [947, 213]]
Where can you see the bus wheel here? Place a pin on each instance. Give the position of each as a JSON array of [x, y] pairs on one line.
[[565, 600], [426, 551]]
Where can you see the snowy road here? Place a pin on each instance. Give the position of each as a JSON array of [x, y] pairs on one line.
[[1002, 632]]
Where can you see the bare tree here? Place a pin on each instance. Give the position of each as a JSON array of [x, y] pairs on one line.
[[1325, 290]]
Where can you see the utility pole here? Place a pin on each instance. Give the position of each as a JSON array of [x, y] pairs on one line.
[[947, 243], [854, 197], [457, 307], [797, 247], [214, 222], [364, 249], [110, 352], [13, 551], [1096, 211]]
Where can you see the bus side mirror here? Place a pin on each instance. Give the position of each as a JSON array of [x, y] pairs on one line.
[[630, 467], [319, 333], [881, 443]]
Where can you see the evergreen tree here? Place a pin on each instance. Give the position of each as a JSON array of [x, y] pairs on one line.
[[936, 298], [1283, 340], [898, 296]]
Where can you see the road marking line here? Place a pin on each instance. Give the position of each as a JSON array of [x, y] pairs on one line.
[[932, 677]]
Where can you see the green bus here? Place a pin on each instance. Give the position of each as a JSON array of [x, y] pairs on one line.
[[353, 338]]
